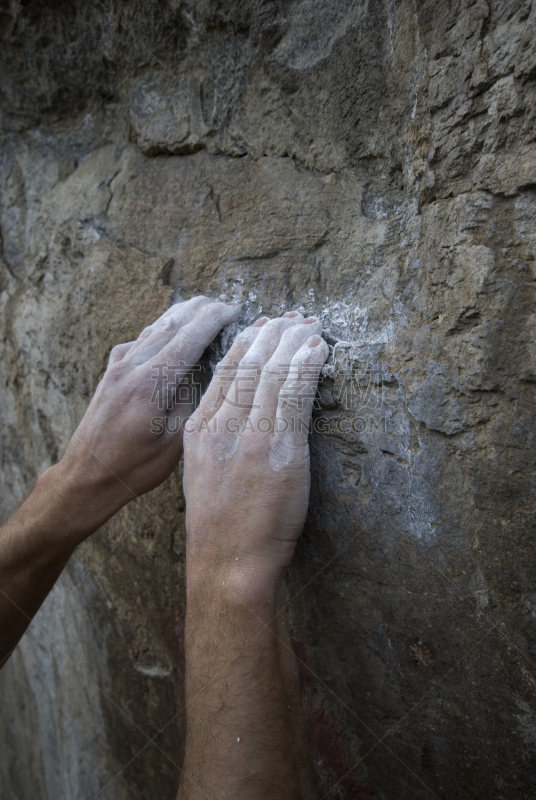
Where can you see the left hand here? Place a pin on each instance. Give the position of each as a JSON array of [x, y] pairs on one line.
[[117, 452]]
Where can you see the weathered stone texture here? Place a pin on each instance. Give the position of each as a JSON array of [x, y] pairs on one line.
[[374, 163]]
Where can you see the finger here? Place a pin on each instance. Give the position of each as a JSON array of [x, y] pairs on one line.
[[117, 352], [277, 368], [239, 396], [223, 376], [183, 352], [289, 441], [226, 370], [157, 335], [175, 366]]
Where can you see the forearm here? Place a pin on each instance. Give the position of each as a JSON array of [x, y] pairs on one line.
[[35, 544], [245, 728], [113, 457], [247, 491]]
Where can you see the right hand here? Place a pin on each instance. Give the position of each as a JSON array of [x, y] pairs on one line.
[[246, 471]]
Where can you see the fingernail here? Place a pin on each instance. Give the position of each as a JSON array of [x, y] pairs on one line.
[[314, 341], [291, 314], [309, 320], [260, 322]]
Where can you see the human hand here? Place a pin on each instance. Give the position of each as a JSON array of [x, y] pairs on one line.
[[246, 473], [116, 453]]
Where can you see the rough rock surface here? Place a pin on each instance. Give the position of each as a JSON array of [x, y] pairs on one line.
[[374, 163]]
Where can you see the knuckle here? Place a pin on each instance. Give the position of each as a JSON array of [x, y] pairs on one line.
[[250, 361], [274, 325], [189, 335], [272, 368], [116, 372], [202, 319], [289, 334], [220, 308], [146, 332], [246, 336], [116, 351], [249, 372]]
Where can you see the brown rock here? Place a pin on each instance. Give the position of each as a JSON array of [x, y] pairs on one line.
[[373, 164]]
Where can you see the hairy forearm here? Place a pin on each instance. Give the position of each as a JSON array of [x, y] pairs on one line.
[[113, 457], [245, 728], [35, 544]]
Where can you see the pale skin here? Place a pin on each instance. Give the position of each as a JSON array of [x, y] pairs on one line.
[[246, 482]]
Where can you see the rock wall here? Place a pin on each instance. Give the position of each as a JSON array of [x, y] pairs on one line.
[[371, 162]]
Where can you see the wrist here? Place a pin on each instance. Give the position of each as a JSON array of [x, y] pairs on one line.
[[68, 507], [249, 563], [43, 531], [247, 587]]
